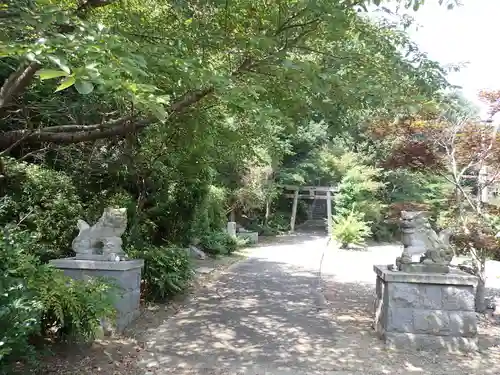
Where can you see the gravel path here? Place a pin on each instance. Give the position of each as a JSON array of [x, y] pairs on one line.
[[264, 316]]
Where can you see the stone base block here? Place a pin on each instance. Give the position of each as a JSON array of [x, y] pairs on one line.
[[126, 275], [424, 268], [251, 237], [426, 310], [397, 340]]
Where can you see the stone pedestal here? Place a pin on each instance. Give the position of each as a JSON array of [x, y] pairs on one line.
[[125, 274], [426, 311]]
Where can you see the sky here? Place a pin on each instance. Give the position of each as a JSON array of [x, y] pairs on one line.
[[466, 34]]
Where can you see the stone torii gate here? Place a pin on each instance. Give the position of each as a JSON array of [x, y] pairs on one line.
[[310, 192]]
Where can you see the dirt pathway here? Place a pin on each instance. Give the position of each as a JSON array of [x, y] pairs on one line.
[[264, 315]]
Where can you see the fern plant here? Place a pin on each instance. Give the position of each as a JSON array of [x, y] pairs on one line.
[[73, 309], [350, 228], [36, 299]]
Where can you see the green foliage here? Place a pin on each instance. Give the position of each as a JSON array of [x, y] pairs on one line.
[[350, 228], [431, 192], [42, 201], [210, 215], [358, 187], [220, 243], [74, 308], [20, 311], [182, 112], [277, 223], [39, 300], [255, 187], [167, 270]]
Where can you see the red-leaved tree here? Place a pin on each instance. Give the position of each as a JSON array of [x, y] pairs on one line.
[[466, 152]]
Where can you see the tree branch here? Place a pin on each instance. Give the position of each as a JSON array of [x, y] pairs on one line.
[[89, 4], [17, 83], [461, 189], [74, 128], [284, 25], [67, 134], [297, 25]]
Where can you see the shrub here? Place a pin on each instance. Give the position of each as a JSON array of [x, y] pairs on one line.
[[350, 229], [359, 187], [278, 223], [263, 229], [409, 191], [45, 203], [36, 300], [73, 309], [167, 270], [210, 215], [20, 310], [218, 243], [357, 201]]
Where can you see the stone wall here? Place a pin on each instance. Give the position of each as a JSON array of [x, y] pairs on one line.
[[426, 311], [126, 275]]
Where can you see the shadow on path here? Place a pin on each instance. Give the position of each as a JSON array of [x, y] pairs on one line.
[[259, 312], [261, 318]]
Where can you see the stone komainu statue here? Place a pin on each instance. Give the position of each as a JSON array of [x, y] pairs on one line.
[[102, 241], [419, 238]]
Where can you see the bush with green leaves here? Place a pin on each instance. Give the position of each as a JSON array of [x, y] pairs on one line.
[[350, 228], [167, 270], [43, 202], [38, 300], [433, 191], [20, 312], [74, 309], [278, 223], [220, 243], [358, 188], [210, 215]]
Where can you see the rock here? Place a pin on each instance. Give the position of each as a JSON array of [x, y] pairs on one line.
[[205, 270], [490, 303], [196, 253]]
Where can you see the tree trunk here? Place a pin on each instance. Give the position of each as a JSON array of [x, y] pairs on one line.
[[480, 265], [481, 296], [268, 211]]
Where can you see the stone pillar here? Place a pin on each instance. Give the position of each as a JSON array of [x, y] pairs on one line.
[[426, 311], [231, 228], [125, 274], [294, 210], [329, 220]]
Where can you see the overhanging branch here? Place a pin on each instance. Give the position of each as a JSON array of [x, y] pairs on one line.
[[89, 4], [68, 134], [17, 83]]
